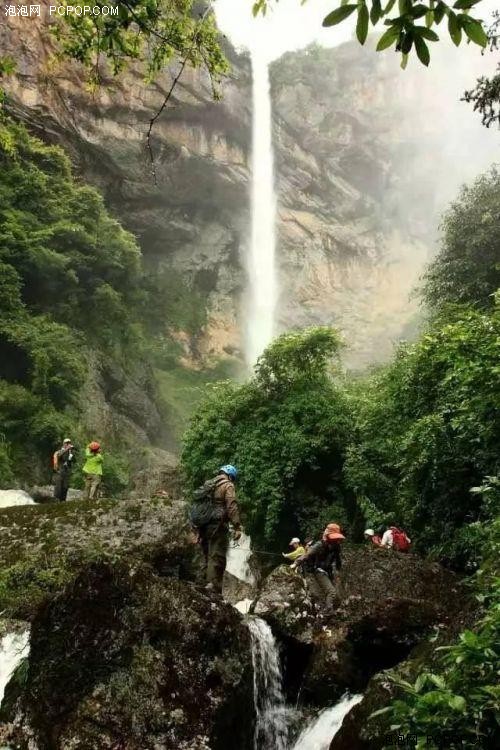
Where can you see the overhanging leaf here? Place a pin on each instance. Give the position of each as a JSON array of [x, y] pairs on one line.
[[422, 51], [474, 30], [387, 39], [362, 24], [454, 28], [338, 15]]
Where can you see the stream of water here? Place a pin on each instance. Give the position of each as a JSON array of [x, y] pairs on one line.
[[262, 293], [271, 728], [14, 497], [319, 734], [273, 716], [13, 648]]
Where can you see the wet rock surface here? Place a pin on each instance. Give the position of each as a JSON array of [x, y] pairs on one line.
[[126, 659], [387, 604]]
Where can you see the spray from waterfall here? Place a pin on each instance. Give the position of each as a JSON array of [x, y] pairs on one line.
[[262, 291]]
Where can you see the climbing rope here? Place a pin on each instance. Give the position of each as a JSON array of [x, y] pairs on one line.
[[247, 549]]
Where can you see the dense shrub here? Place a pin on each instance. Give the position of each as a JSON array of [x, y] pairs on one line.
[[286, 430], [467, 268], [428, 428]]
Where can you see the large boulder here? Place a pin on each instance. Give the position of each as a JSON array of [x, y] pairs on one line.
[[45, 545], [285, 603], [124, 659], [387, 604]]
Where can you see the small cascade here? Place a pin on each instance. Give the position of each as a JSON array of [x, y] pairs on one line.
[[238, 560], [13, 648], [271, 728], [319, 734], [8, 498]]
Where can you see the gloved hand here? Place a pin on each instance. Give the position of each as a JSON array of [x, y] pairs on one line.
[[236, 534]]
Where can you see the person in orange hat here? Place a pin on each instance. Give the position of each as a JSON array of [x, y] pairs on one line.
[[319, 562]]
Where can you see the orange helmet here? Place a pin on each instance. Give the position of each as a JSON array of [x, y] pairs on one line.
[[94, 446], [332, 532]]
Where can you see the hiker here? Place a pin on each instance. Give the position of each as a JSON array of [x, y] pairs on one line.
[[92, 470], [397, 539], [297, 550], [62, 462], [318, 562], [374, 538], [214, 507]]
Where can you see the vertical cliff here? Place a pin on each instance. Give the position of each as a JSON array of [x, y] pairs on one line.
[[358, 195]]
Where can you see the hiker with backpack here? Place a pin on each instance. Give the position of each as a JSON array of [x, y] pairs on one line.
[[214, 507], [319, 562], [62, 464], [397, 539]]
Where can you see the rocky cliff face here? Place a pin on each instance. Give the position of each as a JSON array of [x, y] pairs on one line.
[[358, 194]]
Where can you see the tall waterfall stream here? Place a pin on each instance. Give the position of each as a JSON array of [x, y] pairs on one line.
[[262, 295], [273, 716]]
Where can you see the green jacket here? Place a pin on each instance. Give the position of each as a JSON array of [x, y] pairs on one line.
[[93, 464]]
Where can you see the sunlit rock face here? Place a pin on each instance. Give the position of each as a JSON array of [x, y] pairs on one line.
[[363, 168]]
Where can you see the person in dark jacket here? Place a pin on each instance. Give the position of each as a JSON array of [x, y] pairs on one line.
[[63, 461], [318, 565], [214, 537]]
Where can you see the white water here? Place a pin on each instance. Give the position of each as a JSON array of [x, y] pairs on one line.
[[13, 648], [14, 497], [271, 728], [238, 557], [244, 605], [320, 733], [262, 293]]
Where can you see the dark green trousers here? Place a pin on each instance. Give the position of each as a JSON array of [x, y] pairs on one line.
[[322, 589], [214, 543]]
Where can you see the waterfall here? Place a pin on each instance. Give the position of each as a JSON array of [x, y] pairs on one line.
[[323, 729], [14, 497], [238, 557], [13, 648], [262, 294], [271, 728]]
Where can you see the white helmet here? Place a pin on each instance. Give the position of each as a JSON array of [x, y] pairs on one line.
[[369, 532], [295, 540]]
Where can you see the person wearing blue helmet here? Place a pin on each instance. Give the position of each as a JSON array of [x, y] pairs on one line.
[[218, 500]]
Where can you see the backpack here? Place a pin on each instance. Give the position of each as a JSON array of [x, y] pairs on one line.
[[204, 508], [400, 540]]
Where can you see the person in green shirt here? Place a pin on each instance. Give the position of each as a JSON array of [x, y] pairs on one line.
[[92, 470], [297, 550]]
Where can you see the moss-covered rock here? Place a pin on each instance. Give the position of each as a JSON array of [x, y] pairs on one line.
[[126, 659], [42, 547], [388, 602]]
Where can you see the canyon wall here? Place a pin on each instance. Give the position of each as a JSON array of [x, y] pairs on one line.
[[358, 195]]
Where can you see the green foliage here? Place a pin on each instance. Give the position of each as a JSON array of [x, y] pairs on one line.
[[461, 696], [409, 23], [153, 31], [286, 430], [427, 429], [71, 285], [467, 268]]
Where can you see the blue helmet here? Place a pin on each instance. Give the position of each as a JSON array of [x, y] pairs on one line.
[[230, 470]]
